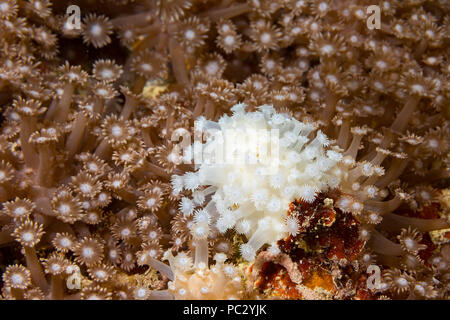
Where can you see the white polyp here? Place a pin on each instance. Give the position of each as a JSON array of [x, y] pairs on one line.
[[259, 238], [170, 258], [247, 252], [201, 252], [273, 249], [202, 216], [186, 206]]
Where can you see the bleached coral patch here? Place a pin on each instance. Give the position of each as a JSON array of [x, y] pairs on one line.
[[253, 196]]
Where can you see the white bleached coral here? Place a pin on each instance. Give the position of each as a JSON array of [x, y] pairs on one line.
[[254, 165]]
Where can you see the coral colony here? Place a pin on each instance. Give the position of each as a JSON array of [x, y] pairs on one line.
[[222, 149]]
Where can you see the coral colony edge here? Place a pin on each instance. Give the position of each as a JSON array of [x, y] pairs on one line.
[[222, 149]]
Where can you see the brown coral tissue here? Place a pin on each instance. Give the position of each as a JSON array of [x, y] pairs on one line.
[[97, 202]]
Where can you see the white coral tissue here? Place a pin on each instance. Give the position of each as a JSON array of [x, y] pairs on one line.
[[253, 196]]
